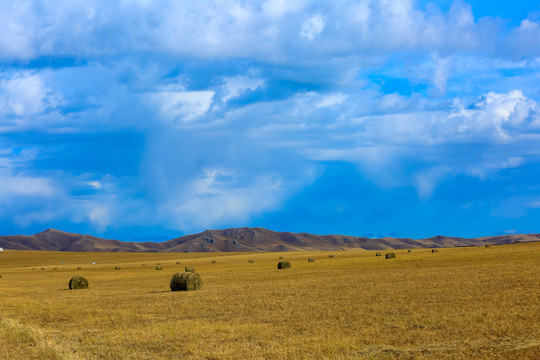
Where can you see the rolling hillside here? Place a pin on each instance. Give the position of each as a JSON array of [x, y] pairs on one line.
[[241, 239]]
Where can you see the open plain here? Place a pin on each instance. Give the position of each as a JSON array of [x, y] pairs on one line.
[[457, 303]]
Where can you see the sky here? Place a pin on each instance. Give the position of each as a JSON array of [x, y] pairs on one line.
[[147, 120]]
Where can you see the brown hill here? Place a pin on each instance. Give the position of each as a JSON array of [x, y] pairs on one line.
[[242, 239], [55, 240]]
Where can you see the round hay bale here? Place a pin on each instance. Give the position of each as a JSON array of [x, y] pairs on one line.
[[189, 268], [213, 261], [117, 268], [409, 250], [281, 257], [178, 263], [79, 268], [78, 282], [159, 268], [143, 264], [54, 268], [390, 256], [487, 246], [251, 261], [284, 265], [330, 256], [186, 281], [434, 250], [378, 254], [311, 260]]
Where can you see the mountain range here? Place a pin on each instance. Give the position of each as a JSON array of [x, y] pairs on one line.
[[242, 239]]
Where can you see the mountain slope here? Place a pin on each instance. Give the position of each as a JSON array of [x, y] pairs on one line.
[[242, 239]]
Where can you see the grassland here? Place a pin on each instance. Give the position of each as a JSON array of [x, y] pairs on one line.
[[459, 303]]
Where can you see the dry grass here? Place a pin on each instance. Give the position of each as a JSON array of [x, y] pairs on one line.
[[463, 303]]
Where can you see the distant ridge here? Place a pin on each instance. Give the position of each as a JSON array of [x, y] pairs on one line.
[[242, 239]]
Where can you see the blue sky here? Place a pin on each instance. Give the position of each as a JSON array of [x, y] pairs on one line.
[[141, 120]]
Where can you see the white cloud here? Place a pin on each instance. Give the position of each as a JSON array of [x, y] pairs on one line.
[[12, 185], [98, 214], [237, 85], [26, 94], [183, 107], [16, 34], [527, 25], [238, 29], [427, 180], [502, 115], [222, 197], [483, 169], [407, 147], [332, 99], [95, 184], [441, 75], [312, 27], [278, 8]]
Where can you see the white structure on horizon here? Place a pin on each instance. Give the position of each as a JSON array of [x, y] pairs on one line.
[[1, 250]]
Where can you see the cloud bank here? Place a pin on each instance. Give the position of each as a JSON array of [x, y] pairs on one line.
[[184, 116]]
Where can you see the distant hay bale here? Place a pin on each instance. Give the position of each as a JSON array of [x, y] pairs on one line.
[[79, 268], [330, 256], [78, 282], [159, 268], [409, 250], [55, 268], [487, 246], [390, 256], [434, 250], [251, 261], [143, 264], [178, 263], [186, 281], [117, 268], [42, 268], [189, 268], [284, 265], [281, 257], [213, 261], [311, 260], [378, 254]]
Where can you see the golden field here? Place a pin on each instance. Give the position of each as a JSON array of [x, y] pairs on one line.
[[458, 303]]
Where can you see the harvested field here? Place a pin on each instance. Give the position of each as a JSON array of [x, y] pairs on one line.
[[462, 303]]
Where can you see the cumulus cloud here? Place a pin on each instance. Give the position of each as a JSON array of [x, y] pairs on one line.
[[501, 115], [26, 94], [16, 38], [232, 108], [233, 29], [312, 27]]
